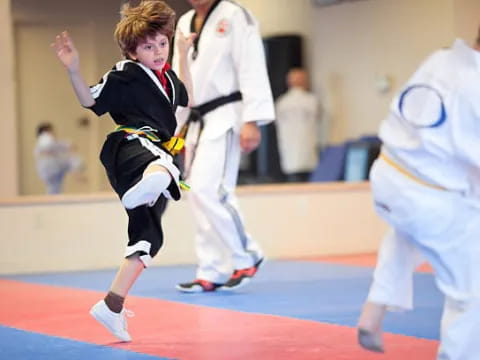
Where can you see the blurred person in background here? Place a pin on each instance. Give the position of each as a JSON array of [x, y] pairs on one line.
[[297, 127], [55, 159]]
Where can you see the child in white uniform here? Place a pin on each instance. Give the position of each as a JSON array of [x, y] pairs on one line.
[[54, 159], [426, 185]]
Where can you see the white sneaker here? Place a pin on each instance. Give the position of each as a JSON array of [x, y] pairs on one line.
[[115, 323], [145, 192]]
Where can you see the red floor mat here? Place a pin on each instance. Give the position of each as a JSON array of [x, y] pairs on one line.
[[190, 332]]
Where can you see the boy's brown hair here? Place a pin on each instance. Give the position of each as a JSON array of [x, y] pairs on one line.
[[140, 22]]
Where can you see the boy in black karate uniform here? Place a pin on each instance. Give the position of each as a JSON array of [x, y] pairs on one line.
[[141, 94]]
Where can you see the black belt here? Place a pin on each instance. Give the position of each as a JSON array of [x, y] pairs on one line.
[[197, 113], [215, 103]]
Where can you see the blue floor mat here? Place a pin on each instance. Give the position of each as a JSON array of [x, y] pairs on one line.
[[23, 345]]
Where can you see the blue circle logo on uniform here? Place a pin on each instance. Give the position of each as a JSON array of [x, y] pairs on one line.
[[422, 106], [223, 28]]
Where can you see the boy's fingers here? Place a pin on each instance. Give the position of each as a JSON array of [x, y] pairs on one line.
[[58, 41], [65, 39], [58, 44]]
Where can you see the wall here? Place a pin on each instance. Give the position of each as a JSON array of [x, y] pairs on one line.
[[466, 18], [358, 42], [279, 17], [350, 46], [8, 144], [73, 232]]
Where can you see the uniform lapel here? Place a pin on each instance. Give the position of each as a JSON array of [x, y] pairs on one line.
[[152, 80], [192, 28], [173, 87]]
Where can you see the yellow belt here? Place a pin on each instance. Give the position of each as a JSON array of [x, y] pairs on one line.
[[405, 172], [174, 145]]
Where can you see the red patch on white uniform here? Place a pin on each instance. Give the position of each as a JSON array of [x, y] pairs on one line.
[[223, 27]]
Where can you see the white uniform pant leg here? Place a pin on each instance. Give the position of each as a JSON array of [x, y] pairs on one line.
[[454, 254], [222, 244], [393, 277], [455, 258], [445, 227], [459, 330]]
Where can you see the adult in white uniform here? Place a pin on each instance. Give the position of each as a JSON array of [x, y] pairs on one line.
[[297, 127], [232, 95], [54, 159], [426, 186]]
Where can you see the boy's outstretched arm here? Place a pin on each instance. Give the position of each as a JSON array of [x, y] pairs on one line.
[[68, 56]]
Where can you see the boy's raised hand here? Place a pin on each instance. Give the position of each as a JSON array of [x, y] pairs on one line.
[[66, 51], [68, 56], [185, 42]]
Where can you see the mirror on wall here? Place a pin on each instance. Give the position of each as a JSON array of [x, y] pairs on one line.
[[48, 112], [44, 95], [353, 73], [70, 136]]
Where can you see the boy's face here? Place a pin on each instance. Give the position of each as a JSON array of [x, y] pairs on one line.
[[153, 53]]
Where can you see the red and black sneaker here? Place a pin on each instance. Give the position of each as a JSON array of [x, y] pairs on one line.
[[241, 277], [198, 286]]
